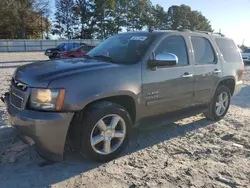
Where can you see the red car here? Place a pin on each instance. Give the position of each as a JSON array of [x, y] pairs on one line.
[[76, 52]]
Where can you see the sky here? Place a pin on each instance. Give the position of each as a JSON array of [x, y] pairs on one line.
[[231, 16]]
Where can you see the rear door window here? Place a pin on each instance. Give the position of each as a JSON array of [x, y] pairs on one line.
[[229, 50], [203, 51]]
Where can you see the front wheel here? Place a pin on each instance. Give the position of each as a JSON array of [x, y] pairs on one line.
[[106, 128], [219, 106]]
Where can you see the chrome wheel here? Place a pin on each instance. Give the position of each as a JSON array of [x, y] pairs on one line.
[[222, 103], [108, 134]]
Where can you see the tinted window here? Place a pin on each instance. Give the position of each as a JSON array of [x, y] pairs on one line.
[[203, 50], [175, 45], [229, 50]]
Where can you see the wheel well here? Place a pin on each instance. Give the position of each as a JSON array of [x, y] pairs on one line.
[[74, 135], [126, 101], [230, 83]]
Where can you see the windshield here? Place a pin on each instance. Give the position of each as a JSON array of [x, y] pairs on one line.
[[60, 46], [124, 48], [74, 49]]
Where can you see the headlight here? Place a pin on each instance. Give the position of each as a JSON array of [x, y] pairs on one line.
[[47, 99]]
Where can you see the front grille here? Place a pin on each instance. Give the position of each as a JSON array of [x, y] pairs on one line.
[[16, 100], [244, 57]]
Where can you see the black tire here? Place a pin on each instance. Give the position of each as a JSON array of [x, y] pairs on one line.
[[90, 117], [211, 113], [54, 55]]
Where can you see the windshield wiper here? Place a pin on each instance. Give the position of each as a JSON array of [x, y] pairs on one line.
[[107, 58], [87, 56]]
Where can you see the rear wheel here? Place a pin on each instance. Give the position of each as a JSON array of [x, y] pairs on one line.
[[105, 131], [220, 104]]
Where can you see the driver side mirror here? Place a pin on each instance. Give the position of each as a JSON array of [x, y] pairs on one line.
[[162, 60]]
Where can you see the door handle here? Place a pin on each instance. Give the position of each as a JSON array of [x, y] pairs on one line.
[[216, 71], [187, 75]]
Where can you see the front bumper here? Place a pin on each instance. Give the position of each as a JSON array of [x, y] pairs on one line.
[[48, 53], [46, 130]]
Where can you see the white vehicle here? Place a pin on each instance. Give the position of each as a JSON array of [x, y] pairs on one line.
[[246, 56]]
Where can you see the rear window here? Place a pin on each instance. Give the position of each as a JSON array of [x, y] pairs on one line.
[[229, 50]]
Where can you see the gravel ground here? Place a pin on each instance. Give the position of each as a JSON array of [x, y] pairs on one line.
[[192, 152]]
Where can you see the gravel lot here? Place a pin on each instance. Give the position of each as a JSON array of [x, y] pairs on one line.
[[193, 152]]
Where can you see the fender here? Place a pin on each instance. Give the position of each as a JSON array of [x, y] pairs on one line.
[[223, 79]]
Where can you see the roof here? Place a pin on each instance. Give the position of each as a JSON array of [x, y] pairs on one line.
[[181, 30]]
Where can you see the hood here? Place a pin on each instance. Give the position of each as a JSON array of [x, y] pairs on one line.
[[40, 74]]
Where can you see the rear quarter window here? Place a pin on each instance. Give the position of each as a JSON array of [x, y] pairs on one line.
[[229, 50]]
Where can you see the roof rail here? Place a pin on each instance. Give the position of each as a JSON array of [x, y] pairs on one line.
[[210, 33], [185, 30], [219, 33]]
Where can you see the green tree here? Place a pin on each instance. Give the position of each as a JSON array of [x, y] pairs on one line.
[[66, 22], [23, 18], [156, 18], [138, 14], [182, 17], [243, 47]]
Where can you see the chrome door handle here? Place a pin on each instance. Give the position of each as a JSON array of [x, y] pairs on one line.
[[187, 76], [216, 71]]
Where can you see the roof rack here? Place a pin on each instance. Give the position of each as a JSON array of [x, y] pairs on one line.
[[188, 30], [210, 33]]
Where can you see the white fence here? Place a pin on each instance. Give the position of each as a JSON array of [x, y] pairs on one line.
[[36, 45]]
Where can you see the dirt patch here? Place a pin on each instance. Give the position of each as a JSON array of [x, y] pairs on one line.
[[192, 152]]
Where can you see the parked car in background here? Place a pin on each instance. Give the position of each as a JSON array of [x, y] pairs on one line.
[[54, 52], [246, 56], [76, 52]]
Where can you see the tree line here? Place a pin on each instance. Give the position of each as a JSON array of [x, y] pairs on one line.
[[92, 19], [24, 19], [102, 18]]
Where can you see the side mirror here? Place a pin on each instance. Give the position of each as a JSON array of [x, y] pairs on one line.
[[166, 59]]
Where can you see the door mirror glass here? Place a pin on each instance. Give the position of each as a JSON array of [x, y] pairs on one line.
[[164, 59]]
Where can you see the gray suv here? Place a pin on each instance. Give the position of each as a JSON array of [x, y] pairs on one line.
[[130, 79]]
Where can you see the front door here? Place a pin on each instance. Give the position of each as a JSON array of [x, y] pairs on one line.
[[169, 88], [207, 69]]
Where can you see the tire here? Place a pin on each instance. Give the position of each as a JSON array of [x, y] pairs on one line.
[[90, 129], [54, 56], [212, 114]]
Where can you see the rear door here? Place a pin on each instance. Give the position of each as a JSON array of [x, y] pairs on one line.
[[207, 69]]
